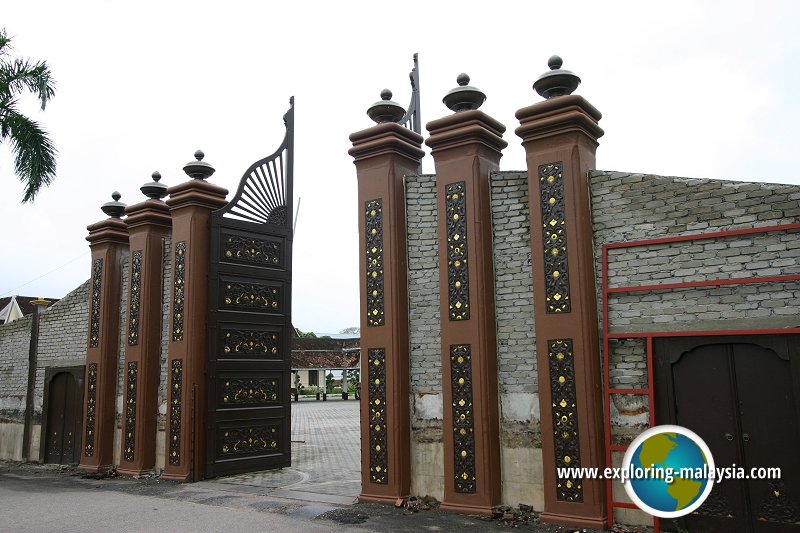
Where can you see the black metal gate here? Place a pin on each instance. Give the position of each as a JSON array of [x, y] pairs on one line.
[[250, 296]]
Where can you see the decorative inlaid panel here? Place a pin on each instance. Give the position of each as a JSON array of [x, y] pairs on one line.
[[175, 392], [376, 395], [778, 506], [251, 250], [135, 298], [554, 237], [457, 274], [716, 505], [248, 440], [252, 296], [94, 320], [374, 237], [236, 392], [463, 418], [178, 291], [250, 343], [130, 412], [565, 416], [91, 406]]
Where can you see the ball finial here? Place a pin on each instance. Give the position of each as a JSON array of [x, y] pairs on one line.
[[154, 190], [116, 196], [464, 97], [462, 79], [386, 94], [386, 109], [555, 62], [156, 176], [556, 81], [199, 169], [199, 155], [116, 208]]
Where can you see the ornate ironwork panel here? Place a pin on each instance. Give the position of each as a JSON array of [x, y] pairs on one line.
[[236, 392], [248, 419], [249, 440], [135, 297], [565, 416], [94, 319], [178, 290], [554, 237], [250, 250], [91, 407], [457, 272], [257, 296], [374, 236], [376, 392], [413, 117], [463, 418], [175, 393], [251, 343], [130, 412], [777, 506]]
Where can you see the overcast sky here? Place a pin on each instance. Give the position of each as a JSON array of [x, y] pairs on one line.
[[697, 89]]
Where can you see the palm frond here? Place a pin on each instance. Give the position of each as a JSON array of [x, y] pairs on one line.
[[20, 74], [5, 41], [34, 153]]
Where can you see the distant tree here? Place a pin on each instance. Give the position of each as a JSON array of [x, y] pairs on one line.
[[306, 335], [34, 152], [329, 383], [352, 330]]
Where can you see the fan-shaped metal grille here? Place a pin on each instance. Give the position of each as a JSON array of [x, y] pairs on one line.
[[265, 186]]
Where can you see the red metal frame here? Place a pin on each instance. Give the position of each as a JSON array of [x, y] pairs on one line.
[[650, 335]]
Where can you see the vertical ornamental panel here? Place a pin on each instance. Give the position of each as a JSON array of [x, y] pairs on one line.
[[91, 408], [565, 417], [178, 287], [176, 391], [554, 237], [94, 321], [374, 237], [457, 271], [463, 418], [130, 412], [135, 298], [378, 462]]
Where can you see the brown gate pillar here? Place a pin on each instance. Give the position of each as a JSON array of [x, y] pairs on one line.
[[383, 154], [108, 239], [466, 146], [560, 138], [148, 223], [190, 204]]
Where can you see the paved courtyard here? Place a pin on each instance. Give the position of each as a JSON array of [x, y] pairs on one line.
[[326, 456]]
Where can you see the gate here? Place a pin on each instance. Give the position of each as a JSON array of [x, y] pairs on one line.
[[62, 415], [249, 321]]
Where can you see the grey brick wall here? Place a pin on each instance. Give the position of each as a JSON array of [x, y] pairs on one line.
[[15, 340], [516, 341], [423, 285], [123, 335]]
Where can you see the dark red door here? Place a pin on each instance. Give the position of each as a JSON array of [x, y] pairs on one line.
[[63, 419], [742, 396]]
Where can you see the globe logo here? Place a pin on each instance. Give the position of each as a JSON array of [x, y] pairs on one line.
[[670, 471]]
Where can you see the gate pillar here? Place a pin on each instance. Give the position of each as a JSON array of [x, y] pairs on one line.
[[466, 146], [148, 223], [383, 154], [190, 204], [108, 240], [560, 139]]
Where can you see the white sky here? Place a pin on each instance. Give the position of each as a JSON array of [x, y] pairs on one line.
[[697, 89]]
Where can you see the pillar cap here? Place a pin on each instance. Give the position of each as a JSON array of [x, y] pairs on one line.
[[116, 208], [386, 138], [40, 301], [556, 82], [386, 109], [198, 169], [464, 97], [154, 189]]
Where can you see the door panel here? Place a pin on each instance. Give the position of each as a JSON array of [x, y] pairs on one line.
[[740, 394], [63, 418]]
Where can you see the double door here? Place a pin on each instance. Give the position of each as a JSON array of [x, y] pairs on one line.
[[741, 395]]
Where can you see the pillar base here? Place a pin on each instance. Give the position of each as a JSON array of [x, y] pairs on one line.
[[133, 472], [574, 521], [397, 501], [180, 478], [94, 469]]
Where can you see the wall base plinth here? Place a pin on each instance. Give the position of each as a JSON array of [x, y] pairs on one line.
[[180, 478], [479, 510], [574, 521]]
